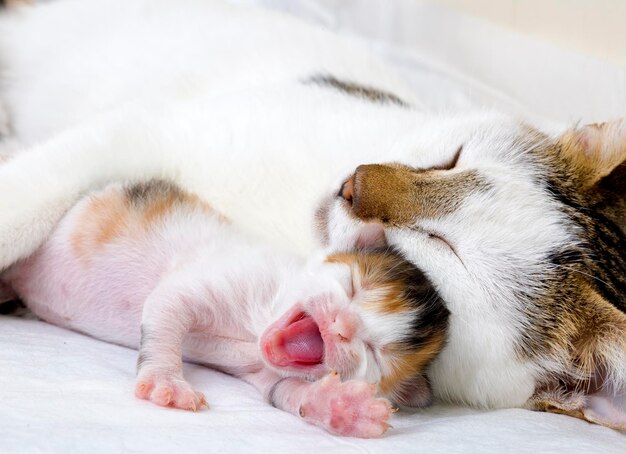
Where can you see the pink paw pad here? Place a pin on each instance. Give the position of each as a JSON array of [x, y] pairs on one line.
[[168, 391], [347, 408]]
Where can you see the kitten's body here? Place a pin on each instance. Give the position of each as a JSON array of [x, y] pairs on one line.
[[106, 257], [152, 256], [244, 120]]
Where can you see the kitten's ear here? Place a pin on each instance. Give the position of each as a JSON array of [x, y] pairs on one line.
[[414, 393], [595, 151]]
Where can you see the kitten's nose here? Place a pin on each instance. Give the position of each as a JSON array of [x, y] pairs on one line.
[[347, 188], [343, 327]]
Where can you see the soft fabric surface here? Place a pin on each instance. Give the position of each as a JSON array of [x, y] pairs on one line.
[[64, 392]]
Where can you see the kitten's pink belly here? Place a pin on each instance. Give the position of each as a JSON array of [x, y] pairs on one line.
[[102, 298], [105, 300]]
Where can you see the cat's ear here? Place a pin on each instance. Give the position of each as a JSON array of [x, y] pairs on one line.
[[596, 154], [413, 393], [595, 151]]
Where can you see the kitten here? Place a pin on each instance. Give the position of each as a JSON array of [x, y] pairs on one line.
[[150, 255]]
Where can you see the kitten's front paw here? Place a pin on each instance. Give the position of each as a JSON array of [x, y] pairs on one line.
[[168, 391], [346, 408]]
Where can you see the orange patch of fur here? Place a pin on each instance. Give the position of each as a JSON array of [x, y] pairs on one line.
[[408, 363], [104, 218], [114, 213], [156, 209], [383, 293], [393, 301]]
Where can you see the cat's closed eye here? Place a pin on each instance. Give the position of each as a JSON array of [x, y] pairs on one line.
[[450, 164]]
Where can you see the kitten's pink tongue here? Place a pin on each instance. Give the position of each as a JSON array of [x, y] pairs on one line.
[[303, 342]]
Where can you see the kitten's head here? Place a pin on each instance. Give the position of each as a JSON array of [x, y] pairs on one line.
[[369, 315], [514, 225]]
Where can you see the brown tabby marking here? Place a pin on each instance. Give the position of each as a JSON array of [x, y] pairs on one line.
[[398, 195], [361, 91]]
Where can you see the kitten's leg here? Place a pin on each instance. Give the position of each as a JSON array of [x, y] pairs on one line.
[[167, 317], [344, 408], [38, 185]]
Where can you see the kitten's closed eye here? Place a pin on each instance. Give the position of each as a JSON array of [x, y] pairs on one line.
[[344, 274]]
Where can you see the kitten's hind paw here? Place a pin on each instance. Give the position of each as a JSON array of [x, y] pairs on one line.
[[169, 391]]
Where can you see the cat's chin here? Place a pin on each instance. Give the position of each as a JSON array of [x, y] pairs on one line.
[[294, 343]]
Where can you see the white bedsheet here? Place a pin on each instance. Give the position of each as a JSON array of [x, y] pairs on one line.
[[64, 392]]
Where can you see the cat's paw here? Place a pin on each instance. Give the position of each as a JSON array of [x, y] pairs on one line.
[[348, 408], [168, 391]]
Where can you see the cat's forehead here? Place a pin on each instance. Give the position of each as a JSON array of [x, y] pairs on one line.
[[512, 144]]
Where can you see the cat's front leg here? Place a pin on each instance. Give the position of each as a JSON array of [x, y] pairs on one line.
[[167, 317], [348, 408]]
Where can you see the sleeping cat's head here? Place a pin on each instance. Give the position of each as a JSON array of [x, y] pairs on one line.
[[370, 315], [518, 231]]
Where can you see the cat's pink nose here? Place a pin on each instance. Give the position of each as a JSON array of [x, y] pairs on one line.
[[343, 326], [347, 188]]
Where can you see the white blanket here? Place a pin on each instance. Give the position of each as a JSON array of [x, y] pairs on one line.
[[64, 392]]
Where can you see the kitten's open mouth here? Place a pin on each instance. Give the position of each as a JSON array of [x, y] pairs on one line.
[[294, 340]]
